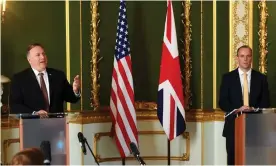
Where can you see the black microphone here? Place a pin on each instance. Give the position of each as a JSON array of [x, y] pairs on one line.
[[136, 153], [45, 147], [82, 142]]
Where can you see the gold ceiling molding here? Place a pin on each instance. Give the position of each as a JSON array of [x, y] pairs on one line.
[[184, 157], [263, 37], [94, 71]]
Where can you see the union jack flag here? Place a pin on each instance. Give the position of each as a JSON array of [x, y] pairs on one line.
[[122, 93], [170, 109]]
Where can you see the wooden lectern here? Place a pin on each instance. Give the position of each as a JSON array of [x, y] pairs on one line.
[[255, 139]]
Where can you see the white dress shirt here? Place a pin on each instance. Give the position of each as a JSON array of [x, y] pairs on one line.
[[241, 80], [248, 78], [46, 80]]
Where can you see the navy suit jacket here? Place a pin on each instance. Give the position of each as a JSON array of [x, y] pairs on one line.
[[26, 95], [231, 96]]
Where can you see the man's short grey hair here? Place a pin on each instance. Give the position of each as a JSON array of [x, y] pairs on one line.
[[244, 46]]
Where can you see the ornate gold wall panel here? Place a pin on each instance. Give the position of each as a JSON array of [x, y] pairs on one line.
[[241, 20], [263, 37], [94, 37], [187, 52], [184, 157]]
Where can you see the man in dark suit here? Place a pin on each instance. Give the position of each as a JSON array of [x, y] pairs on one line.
[[241, 90], [41, 90]]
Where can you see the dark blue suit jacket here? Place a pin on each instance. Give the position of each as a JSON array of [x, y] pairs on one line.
[[26, 95], [231, 96]]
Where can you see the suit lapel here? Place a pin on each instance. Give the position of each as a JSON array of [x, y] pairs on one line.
[[34, 80], [35, 85], [50, 78], [238, 85], [252, 85]]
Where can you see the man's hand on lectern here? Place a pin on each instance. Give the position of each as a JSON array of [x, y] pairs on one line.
[[42, 113], [244, 109]]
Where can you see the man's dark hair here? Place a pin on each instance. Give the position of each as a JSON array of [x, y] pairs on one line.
[[32, 46], [244, 46]]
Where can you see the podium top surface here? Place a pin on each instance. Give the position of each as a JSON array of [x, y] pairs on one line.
[[67, 115]]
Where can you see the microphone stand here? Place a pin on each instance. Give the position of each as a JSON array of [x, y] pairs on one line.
[[140, 160], [91, 151], [142, 163]]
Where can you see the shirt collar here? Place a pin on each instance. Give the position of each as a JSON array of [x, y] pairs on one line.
[[248, 72], [37, 72]]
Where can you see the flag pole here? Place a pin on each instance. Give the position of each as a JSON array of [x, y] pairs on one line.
[[169, 152], [123, 161]]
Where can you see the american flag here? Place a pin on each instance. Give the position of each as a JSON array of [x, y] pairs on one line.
[[170, 109], [122, 92]]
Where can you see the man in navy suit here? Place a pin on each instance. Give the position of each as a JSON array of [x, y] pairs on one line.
[[41, 90], [232, 96]]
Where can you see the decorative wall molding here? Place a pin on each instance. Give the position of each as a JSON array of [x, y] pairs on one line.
[[201, 56], [240, 13], [67, 39], [215, 102], [184, 157], [9, 122], [6, 145], [263, 37], [193, 115], [94, 41], [103, 115], [81, 56], [187, 52]]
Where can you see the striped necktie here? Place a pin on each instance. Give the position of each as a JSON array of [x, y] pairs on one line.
[[44, 91]]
